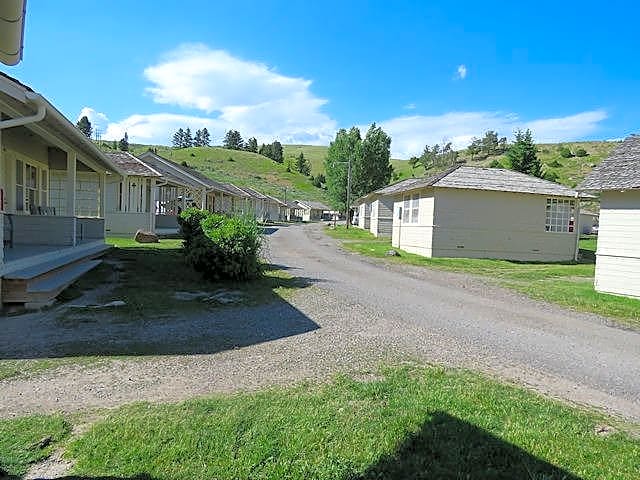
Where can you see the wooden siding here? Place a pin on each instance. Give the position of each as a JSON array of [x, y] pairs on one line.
[[42, 230], [382, 217], [489, 224], [618, 255], [124, 223]]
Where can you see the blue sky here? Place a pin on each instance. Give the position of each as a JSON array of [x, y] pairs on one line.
[[426, 71]]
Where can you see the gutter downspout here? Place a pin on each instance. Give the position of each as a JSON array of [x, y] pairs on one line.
[[37, 117]]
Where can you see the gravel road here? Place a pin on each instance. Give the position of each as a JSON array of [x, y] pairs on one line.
[[355, 314]]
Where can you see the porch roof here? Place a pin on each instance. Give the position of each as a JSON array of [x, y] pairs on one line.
[[19, 100], [131, 165]]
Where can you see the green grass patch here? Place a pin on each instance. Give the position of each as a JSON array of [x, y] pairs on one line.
[[399, 423], [567, 284], [24, 368], [27, 440]]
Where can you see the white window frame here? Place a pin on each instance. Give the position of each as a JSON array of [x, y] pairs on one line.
[[560, 215], [411, 208], [39, 187]]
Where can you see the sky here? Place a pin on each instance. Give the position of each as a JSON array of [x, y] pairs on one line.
[[426, 71]]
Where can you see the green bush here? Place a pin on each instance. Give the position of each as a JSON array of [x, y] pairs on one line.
[[221, 247], [555, 164], [565, 152], [551, 176], [496, 164], [189, 221], [581, 152]]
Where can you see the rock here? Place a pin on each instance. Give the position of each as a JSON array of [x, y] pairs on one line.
[[188, 296], [145, 237], [392, 253]]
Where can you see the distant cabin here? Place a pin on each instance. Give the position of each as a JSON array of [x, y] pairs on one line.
[[618, 253], [486, 213]]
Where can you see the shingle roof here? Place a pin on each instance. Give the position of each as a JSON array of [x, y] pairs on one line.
[[232, 189], [619, 171], [253, 193], [131, 165], [314, 205]]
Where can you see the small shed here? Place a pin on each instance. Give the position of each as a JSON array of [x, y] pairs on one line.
[[486, 213], [617, 179]]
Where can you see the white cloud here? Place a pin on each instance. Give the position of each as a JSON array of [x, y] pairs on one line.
[[410, 134], [461, 72], [99, 121], [410, 106]]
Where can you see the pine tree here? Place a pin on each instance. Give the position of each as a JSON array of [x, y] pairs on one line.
[[197, 138], [265, 150], [84, 125], [178, 138], [205, 138], [523, 154], [276, 152], [124, 143], [188, 139], [233, 140], [302, 165], [251, 145]]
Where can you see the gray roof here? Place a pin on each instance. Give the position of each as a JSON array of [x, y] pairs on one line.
[[253, 193], [314, 205], [232, 189], [619, 171], [131, 165], [478, 178]]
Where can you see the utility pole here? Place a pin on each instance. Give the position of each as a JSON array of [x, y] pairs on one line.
[[349, 192]]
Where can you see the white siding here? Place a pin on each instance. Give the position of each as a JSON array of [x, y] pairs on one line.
[[364, 215], [618, 255], [415, 237], [488, 224]]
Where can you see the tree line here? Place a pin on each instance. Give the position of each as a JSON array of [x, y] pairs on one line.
[[182, 138]]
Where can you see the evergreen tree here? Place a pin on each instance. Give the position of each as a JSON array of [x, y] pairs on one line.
[[302, 165], [197, 138], [265, 150], [251, 145], [523, 156], [277, 154], [124, 143], [205, 138], [187, 140], [178, 138], [233, 140], [114, 145], [84, 125]]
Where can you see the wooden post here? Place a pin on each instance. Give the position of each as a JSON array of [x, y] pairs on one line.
[[71, 191]]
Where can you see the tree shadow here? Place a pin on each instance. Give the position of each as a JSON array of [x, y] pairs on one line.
[[227, 315], [447, 447]]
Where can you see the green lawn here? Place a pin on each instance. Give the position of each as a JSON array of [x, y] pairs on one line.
[[567, 284], [400, 423], [21, 440]]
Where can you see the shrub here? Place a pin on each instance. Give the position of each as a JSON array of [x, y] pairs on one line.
[[551, 176], [496, 164], [189, 221], [555, 164], [221, 247], [581, 152], [565, 152]]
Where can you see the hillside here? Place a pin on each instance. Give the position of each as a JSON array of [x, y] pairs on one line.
[[569, 171], [243, 169]]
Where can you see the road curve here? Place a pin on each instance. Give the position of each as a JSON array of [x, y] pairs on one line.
[[576, 356]]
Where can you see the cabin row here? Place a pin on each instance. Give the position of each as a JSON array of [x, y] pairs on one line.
[[60, 195]]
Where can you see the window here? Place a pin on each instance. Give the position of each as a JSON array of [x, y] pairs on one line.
[[410, 210], [32, 187], [560, 215], [19, 185]]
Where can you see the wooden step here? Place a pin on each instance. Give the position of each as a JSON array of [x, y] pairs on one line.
[[43, 290]]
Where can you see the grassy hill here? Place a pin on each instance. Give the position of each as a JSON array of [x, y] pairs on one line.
[[569, 171], [243, 169]]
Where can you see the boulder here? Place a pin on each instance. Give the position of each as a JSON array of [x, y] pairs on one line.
[[392, 253], [145, 237]]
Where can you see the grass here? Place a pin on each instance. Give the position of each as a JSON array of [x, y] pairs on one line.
[[400, 423], [567, 284], [28, 367], [21, 440], [247, 169]]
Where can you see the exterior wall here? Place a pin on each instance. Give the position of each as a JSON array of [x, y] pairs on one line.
[[382, 217], [42, 229], [487, 224], [124, 223], [167, 221], [618, 254], [90, 228], [414, 237], [364, 215]]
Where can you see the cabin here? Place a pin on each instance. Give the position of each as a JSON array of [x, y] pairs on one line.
[[617, 179], [309, 211], [52, 198], [486, 213]]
